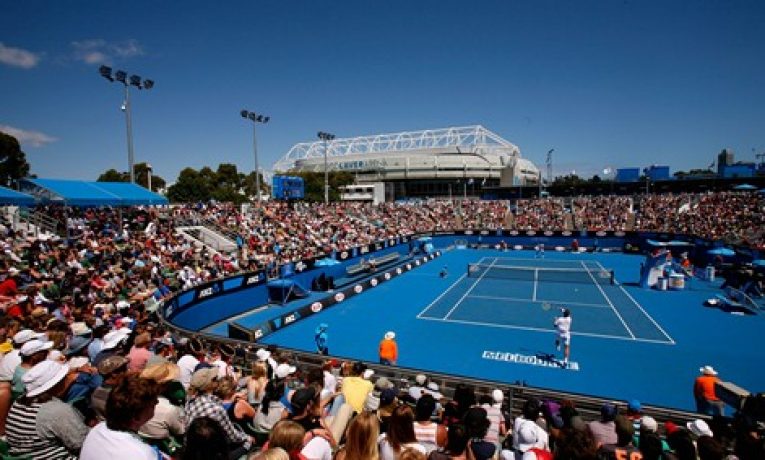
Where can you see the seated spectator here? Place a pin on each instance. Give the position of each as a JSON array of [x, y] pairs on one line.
[[463, 399], [139, 354], [417, 390], [493, 406], [456, 445], [204, 403], [271, 408], [112, 370], [289, 436], [361, 439], [238, 409], [400, 434], [355, 389], [168, 422], [623, 447], [130, 405], [477, 425], [576, 444], [40, 425], [533, 443], [8, 366], [305, 403], [604, 430], [114, 342], [205, 440], [32, 352], [430, 434], [275, 453]]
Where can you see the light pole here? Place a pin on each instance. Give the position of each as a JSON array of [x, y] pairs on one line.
[[148, 175], [255, 118], [134, 80], [326, 137]]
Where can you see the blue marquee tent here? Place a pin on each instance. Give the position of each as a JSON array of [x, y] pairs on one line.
[[83, 193], [12, 197]]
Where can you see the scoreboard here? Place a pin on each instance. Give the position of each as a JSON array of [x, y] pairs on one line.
[[288, 188]]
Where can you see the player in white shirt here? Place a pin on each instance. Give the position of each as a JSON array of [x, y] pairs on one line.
[[563, 325]]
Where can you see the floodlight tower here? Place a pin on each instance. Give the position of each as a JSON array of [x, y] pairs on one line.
[[134, 80], [326, 137], [255, 118]]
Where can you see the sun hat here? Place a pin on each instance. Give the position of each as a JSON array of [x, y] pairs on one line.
[[497, 396], [203, 377], [112, 364], [80, 328], [699, 428], [114, 338], [142, 339], [420, 379], [25, 335], [162, 372], [77, 362], [321, 327], [390, 335], [708, 370], [648, 423], [43, 376], [634, 405], [283, 370], [383, 383], [528, 437], [262, 354], [76, 344], [368, 374], [35, 346]]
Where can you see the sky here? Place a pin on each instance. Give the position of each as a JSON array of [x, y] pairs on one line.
[[604, 83]]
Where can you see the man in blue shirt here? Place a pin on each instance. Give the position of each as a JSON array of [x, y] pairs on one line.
[[322, 339]]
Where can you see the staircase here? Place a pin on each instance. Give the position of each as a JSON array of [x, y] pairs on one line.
[[36, 223], [203, 236]]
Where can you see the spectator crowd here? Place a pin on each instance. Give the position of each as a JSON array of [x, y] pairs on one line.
[[87, 371]]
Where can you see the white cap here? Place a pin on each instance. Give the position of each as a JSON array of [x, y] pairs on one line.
[[699, 428], [649, 423], [368, 374], [43, 376], [708, 370], [283, 370], [497, 396], [420, 379], [35, 346], [25, 335], [390, 335]]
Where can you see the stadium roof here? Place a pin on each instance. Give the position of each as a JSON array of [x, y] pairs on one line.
[[83, 193], [12, 197], [466, 139]]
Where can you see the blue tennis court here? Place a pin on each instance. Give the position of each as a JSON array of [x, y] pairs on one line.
[[627, 342], [516, 293]]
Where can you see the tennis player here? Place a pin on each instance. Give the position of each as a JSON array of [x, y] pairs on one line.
[[563, 324]]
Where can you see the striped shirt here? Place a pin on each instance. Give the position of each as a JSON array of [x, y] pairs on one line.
[[426, 435], [31, 436]]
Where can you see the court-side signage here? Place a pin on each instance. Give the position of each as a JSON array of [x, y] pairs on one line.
[[541, 361]]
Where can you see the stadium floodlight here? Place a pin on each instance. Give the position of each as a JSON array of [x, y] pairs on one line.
[[326, 137], [255, 118], [106, 72], [133, 80]]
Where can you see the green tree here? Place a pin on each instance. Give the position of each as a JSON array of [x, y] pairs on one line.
[[191, 186], [112, 175], [314, 184], [13, 162]]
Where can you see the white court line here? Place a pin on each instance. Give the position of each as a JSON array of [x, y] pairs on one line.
[[607, 299], [442, 294], [470, 289], [521, 299], [536, 279], [641, 309], [549, 331], [548, 261]]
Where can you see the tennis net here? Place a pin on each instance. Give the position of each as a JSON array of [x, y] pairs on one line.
[[550, 275]]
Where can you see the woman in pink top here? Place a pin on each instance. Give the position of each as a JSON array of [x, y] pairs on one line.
[[140, 353]]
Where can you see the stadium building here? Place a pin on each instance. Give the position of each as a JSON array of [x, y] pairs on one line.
[[461, 161]]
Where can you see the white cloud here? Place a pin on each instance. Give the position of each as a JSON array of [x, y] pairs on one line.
[[18, 57], [33, 138], [99, 51]]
